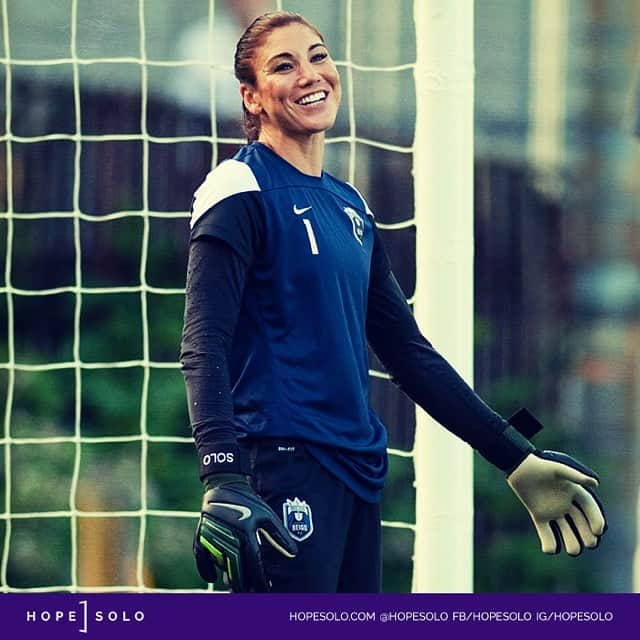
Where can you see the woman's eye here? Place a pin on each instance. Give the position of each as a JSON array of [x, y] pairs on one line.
[[319, 57], [283, 66]]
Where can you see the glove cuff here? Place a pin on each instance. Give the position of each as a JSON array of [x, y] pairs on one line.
[[225, 457], [511, 446], [507, 449], [215, 480]]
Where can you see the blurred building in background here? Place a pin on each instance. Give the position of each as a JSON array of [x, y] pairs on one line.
[[558, 214]]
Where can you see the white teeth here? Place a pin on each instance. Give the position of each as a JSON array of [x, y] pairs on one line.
[[314, 97]]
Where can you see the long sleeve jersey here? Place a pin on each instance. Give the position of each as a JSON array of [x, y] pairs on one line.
[[288, 281]]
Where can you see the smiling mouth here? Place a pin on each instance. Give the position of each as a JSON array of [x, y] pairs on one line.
[[313, 98]]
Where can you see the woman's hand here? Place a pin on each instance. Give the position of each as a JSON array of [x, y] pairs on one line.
[[558, 492]]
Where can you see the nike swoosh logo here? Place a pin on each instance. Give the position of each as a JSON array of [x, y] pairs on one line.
[[244, 512], [299, 212]]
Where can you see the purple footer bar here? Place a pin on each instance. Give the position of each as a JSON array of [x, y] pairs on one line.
[[122, 616]]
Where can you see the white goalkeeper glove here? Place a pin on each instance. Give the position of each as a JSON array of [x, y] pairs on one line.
[[558, 492]]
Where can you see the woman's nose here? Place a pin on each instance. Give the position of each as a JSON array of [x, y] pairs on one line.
[[308, 74]]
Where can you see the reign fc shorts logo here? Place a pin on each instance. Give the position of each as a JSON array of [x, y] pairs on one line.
[[357, 223], [297, 518]]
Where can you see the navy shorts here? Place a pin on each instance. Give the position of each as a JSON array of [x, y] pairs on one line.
[[338, 534]]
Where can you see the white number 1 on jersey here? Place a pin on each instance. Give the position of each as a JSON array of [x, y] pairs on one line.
[[312, 237]]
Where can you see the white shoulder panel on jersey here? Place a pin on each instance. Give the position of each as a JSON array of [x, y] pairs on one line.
[[366, 206], [227, 179]]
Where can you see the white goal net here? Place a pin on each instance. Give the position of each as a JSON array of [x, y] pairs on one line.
[[113, 112]]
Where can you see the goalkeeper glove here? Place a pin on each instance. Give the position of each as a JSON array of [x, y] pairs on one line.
[[234, 525], [558, 492]]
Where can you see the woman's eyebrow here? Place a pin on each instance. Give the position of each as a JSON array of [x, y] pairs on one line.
[[287, 54]]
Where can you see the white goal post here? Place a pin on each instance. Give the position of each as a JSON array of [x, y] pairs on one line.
[[443, 183]]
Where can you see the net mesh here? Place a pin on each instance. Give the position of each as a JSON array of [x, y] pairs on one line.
[[147, 506]]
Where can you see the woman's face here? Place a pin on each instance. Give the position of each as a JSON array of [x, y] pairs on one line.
[[297, 91]]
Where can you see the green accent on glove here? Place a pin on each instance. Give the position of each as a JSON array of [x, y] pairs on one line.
[[223, 545], [216, 553]]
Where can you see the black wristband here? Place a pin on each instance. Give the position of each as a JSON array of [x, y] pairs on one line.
[[506, 449], [511, 446], [226, 457], [525, 422]]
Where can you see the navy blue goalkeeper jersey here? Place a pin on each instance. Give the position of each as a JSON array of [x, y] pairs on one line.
[[299, 360]]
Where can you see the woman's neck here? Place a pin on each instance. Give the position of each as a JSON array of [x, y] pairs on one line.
[[305, 154]]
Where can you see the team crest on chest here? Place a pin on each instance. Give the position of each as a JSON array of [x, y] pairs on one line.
[[297, 518], [357, 223]]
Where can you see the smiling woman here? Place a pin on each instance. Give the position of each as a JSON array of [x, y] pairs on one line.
[[290, 89], [287, 285]]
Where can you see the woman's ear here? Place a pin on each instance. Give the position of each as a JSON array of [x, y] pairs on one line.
[[251, 100]]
